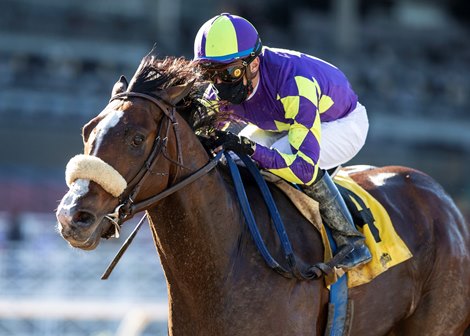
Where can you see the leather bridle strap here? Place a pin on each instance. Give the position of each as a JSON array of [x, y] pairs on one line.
[[169, 110], [142, 205], [158, 145], [165, 106]]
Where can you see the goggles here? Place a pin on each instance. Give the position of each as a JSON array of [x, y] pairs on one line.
[[232, 72], [229, 74]]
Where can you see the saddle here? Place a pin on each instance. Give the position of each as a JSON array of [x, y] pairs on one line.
[[370, 218]]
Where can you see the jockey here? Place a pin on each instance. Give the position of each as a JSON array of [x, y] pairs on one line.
[[303, 117]]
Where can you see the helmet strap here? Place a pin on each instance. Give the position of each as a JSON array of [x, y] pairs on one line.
[[249, 76]]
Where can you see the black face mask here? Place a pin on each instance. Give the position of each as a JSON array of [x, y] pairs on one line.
[[235, 93]]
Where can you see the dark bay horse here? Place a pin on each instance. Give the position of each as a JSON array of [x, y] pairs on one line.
[[218, 284]]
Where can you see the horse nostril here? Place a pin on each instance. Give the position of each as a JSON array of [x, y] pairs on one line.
[[83, 218]]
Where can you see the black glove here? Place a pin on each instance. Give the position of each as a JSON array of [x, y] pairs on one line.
[[235, 143], [209, 143]]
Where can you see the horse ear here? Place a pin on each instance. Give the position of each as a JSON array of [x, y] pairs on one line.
[[175, 93], [86, 130], [120, 86]]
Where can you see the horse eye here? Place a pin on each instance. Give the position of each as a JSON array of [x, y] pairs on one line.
[[138, 140]]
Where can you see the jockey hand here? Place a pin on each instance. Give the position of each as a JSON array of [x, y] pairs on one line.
[[209, 143], [235, 143]]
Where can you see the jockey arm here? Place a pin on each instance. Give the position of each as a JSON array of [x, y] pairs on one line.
[[304, 132]]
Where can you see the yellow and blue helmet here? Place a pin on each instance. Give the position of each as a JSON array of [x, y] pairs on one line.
[[226, 38]]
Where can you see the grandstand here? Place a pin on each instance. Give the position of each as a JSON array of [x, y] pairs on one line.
[[408, 61], [48, 288]]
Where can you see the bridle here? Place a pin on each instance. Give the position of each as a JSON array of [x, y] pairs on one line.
[[127, 207]]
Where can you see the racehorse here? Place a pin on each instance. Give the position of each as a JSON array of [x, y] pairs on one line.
[[217, 282]]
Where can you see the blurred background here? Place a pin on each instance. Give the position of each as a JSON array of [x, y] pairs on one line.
[[408, 60]]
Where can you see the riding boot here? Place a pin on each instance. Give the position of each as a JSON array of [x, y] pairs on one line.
[[336, 215]]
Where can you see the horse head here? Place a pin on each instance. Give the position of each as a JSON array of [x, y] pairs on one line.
[[132, 144]]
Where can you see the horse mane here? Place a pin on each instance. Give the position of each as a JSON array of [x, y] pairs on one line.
[[155, 74]]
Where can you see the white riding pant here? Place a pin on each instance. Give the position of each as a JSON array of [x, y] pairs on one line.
[[340, 140]]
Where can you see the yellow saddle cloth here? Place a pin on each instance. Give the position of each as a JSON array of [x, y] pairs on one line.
[[386, 253], [389, 251]]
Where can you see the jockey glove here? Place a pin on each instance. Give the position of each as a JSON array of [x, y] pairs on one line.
[[235, 143]]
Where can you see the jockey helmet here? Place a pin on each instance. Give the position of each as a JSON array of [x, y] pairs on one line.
[[226, 38]]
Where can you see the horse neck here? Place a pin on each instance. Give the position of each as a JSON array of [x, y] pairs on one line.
[[209, 266], [197, 225], [196, 228]]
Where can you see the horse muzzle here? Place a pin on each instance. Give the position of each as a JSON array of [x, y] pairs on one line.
[[78, 227], [78, 223]]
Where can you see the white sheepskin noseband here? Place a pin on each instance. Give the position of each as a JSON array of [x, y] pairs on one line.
[[93, 168]]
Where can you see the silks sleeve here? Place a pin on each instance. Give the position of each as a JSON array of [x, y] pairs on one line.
[[304, 135]]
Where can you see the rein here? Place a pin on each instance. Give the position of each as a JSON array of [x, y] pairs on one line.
[[294, 269]]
